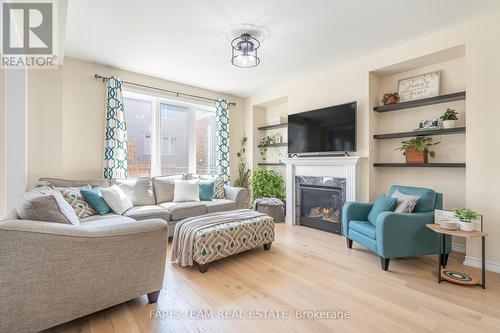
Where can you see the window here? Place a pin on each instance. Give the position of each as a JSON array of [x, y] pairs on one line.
[[138, 119], [169, 137]]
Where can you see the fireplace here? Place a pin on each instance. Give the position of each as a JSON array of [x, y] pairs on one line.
[[319, 202]]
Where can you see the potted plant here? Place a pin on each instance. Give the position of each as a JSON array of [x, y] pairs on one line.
[[264, 143], [243, 179], [466, 217], [417, 149], [268, 184], [449, 118]]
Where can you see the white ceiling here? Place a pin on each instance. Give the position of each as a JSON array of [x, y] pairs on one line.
[[185, 41]]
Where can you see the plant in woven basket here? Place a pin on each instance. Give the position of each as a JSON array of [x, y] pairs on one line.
[[268, 184], [390, 98], [243, 179]]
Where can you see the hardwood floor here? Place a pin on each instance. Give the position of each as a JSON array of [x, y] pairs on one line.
[[308, 269]]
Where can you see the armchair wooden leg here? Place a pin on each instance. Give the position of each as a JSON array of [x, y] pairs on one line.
[[153, 297], [267, 246], [203, 268], [444, 259], [384, 262], [349, 243]]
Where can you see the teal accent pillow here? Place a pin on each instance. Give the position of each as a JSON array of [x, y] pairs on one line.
[[382, 204], [94, 198], [206, 190]]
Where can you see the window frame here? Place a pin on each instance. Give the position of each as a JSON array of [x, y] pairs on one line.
[[157, 99]]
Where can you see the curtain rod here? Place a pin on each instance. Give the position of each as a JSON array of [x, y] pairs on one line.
[[104, 79]]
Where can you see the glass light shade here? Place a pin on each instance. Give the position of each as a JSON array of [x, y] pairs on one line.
[[244, 51]]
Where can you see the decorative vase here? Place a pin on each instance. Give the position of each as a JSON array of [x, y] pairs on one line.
[[449, 123], [466, 226], [414, 156]]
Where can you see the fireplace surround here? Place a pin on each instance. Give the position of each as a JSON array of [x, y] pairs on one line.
[[330, 171]]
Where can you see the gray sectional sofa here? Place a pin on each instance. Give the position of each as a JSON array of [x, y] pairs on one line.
[[51, 273], [153, 199]]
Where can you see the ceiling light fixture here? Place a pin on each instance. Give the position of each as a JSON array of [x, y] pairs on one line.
[[244, 51]]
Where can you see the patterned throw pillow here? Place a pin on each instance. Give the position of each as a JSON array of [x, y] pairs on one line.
[[219, 192], [73, 196]]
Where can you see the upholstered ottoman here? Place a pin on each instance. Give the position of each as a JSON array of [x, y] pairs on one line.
[[230, 238]]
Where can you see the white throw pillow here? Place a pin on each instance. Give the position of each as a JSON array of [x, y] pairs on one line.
[[406, 203], [116, 199], [187, 190]]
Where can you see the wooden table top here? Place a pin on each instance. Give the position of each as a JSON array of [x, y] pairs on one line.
[[467, 234]]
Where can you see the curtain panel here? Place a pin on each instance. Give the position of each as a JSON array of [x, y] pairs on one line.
[[222, 134], [115, 145]]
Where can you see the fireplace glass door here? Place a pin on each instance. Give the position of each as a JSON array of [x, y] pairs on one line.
[[321, 207]]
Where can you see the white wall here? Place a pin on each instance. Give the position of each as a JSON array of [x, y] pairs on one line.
[[66, 118], [16, 114], [351, 81]]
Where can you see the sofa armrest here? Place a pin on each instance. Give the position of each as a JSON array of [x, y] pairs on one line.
[[354, 211], [238, 195], [404, 235], [62, 272], [83, 230]]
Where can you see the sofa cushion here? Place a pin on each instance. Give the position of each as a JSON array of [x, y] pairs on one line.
[[182, 210], [206, 190], [148, 212], [94, 197], [73, 196], [219, 205], [382, 204], [46, 204], [426, 202], [219, 192], [106, 220], [116, 199], [58, 182], [100, 217], [138, 190], [164, 187], [363, 227], [187, 190]]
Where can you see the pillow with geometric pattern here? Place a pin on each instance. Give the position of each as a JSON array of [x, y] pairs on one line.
[[73, 196], [219, 192]]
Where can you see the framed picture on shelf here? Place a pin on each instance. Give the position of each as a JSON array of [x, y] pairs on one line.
[[419, 86]]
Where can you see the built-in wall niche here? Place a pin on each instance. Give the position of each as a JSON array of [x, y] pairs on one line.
[[390, 127], [265, 115]]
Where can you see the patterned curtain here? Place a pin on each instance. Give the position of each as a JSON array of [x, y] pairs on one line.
[[222, 134], [115, 145]]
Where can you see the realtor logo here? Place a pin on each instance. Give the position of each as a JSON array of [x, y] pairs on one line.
[[27, 28]]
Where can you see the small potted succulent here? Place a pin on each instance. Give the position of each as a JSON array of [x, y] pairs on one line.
[[449, 118], [466, 217], [417, 149]]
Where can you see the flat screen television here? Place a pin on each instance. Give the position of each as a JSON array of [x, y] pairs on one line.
[[327, 130]]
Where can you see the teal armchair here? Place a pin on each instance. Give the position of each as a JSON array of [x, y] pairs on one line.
[[396, 235]]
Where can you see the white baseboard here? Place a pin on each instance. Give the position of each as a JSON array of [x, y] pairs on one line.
[[492, 266], [460, 248]]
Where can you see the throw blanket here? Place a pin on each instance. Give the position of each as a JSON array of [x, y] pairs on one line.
[[185, 230], [267, 201]]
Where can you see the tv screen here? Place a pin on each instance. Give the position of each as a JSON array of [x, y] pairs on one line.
[[331, 129]]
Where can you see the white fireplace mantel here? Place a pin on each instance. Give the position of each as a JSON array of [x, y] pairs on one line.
[[320, 166]]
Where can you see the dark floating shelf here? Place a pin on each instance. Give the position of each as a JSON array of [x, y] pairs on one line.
[[283, 144], [270, 164], [428, 165], [421, 102], [456, 130], [269, 127]]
